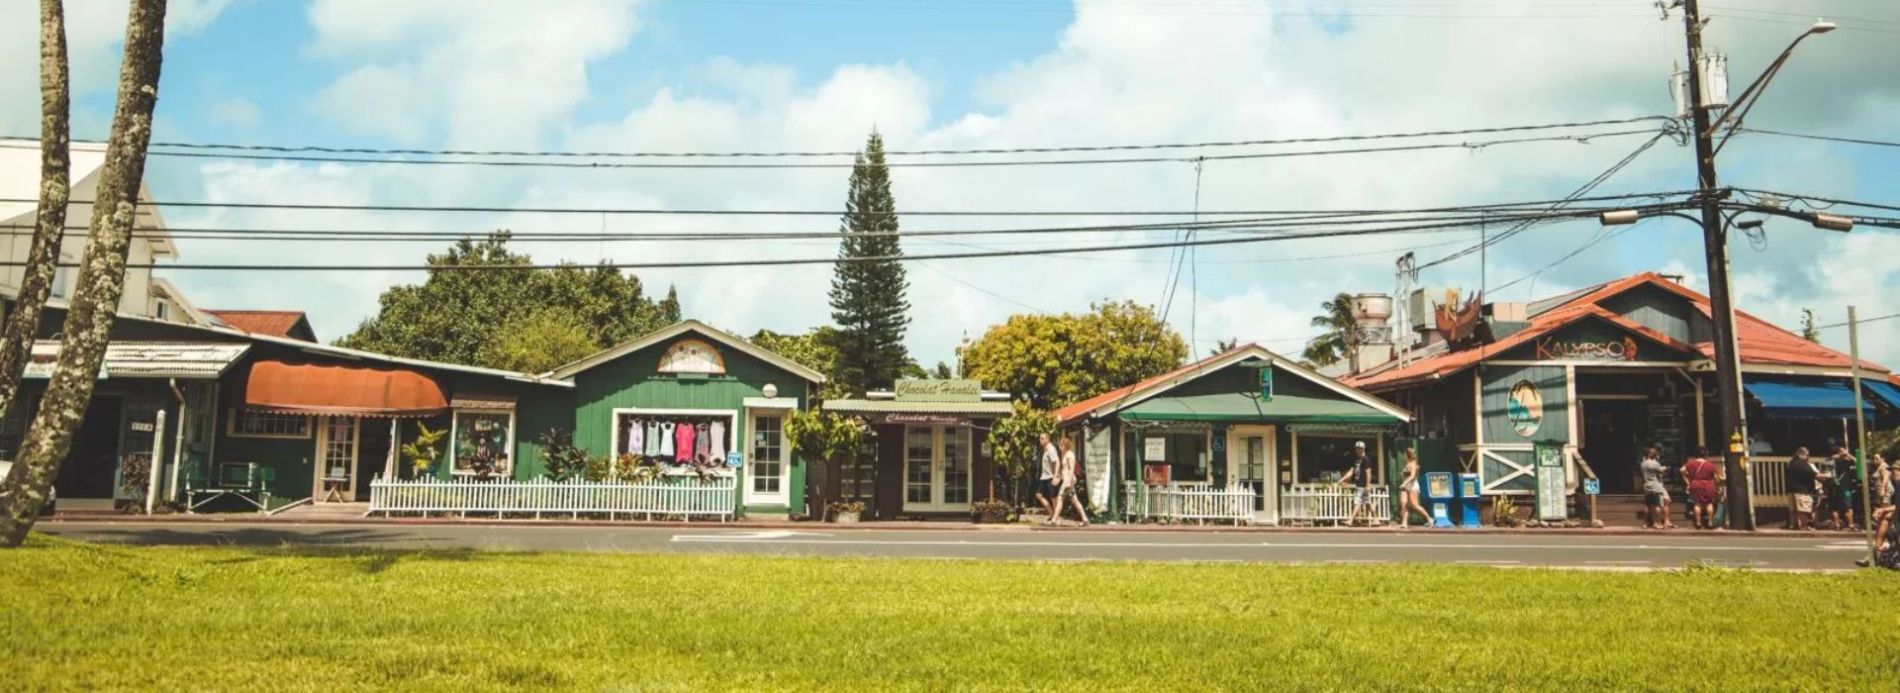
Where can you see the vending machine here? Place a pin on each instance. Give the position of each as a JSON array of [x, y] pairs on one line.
[[1470, 501], [1440, 498]]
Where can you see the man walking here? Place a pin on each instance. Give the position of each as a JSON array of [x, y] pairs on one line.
[[1800, 480], [1655, 494], [1046, 484], [1359, 472]]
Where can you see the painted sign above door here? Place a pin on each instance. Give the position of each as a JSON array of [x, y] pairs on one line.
[[923, 419], [939, 390]]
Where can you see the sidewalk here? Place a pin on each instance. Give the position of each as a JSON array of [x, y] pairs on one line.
[[896, 525]]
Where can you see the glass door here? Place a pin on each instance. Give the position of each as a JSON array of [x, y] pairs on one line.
[[336, 459], [768, 463], [1250, 452], [937, 468]]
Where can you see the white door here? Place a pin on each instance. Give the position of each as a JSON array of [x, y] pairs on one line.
[[766, 465], [1250, 456], [336, 459], [937, 468]]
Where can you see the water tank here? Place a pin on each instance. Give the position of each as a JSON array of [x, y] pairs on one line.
[[1372, 309]]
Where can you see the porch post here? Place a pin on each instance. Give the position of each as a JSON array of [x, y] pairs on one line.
[[395, 441], [158, 460]]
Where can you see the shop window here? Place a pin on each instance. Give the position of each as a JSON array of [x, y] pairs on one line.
[[1323, 459], [13, 426], [484, 442], [252, 423], [1184, 453]]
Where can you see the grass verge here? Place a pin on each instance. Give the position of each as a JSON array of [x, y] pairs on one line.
[[81, 616]]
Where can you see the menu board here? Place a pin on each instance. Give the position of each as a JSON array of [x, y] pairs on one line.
[[1550, 482], [1095, 465]]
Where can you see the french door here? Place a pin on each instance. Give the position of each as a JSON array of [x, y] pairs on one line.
[[1250, 454], [337, 445], [937, 468], [766, 470]]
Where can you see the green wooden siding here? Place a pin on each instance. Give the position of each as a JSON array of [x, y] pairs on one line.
[[633, 381]]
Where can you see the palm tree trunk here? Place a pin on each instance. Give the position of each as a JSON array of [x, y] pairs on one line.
[[101, 277], [36, 283]]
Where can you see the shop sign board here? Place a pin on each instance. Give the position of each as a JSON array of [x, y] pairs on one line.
[[1154, 449], [1095, 464], [924, 419], [954, 390], [1550, 482]]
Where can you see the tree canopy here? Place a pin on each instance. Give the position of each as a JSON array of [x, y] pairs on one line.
[[1341, 337], [519, 318], [1055, 360], [868, 297]]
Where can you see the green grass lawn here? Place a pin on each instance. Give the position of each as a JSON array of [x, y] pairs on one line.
[[84, 616]]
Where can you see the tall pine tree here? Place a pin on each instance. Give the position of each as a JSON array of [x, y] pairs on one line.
[[867, 298]]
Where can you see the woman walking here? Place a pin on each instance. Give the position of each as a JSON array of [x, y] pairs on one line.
[[1699, 475], [1408, 492], [1069, 472]]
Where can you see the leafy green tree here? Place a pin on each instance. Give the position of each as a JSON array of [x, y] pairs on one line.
[[825, 438], [816, 349], [1015, 448], [868, 297], [1223, 346], [1056, 360], [943, 372], [492, 317], [538, 342], [1341, 337], [1808, 330]]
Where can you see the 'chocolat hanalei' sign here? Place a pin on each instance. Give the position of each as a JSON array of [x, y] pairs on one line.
[[1552, 348], [939, 390], [924, 419]]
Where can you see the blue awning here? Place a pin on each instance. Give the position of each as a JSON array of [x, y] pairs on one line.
[[1806, 399], [1884, 390]]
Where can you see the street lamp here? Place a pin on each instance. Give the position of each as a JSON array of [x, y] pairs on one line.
[[1728, 374], [1825, 222]]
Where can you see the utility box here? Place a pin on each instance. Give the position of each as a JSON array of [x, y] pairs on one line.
[[1441, 498], [1714, 85], [1470, 501]]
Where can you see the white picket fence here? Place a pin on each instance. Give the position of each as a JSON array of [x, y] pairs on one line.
[[1316, 503], [667, 497], [1179, 503]]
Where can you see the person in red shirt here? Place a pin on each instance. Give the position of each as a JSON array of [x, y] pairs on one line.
[[1699, 475]]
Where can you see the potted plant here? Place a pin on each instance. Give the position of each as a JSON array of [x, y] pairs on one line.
[[992, 512], [845, 512]]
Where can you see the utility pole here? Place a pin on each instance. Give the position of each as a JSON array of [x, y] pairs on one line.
[[1728, 376], [1860, 432]]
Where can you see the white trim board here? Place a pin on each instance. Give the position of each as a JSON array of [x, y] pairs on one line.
[[715, 334]]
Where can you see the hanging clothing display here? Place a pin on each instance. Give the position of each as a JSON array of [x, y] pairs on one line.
[[716, 442], [653, 439], [683, 442], [636, 437], [702, 446], [666, 438]]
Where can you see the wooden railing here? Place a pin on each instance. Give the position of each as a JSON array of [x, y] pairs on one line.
[[1190, 503], [1766, 486], [668, 497], [1316, 503]]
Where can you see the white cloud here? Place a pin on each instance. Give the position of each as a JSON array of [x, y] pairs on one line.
[[237, 112], [497, 73], [94, 29]]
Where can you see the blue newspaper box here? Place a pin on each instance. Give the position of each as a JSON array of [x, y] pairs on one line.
[[1470, 501], [1441, 498]]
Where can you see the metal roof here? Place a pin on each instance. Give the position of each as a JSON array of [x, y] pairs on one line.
[[199, 360], [867, 406]]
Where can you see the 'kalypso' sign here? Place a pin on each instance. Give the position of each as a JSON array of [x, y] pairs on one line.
[[1552, 348]]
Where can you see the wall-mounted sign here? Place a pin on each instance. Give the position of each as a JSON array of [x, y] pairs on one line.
[[952, 390], [1525, 409], [1155, 448], [1552, 348], [142, 426], [1550, 482], [1592, 487], [1155, 474], [924, 419], [692, 356], [735, 460]]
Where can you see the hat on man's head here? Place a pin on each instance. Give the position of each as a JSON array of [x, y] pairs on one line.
[[1359, 445]]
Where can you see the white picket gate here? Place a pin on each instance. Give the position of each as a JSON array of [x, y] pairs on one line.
[[1316, 503], [677, 497], [1179, 502]]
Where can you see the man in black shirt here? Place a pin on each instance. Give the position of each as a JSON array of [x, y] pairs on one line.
[[1800, 480], [1359, 472], [1846, 484]]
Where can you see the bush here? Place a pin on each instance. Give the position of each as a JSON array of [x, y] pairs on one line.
[[992, 512]]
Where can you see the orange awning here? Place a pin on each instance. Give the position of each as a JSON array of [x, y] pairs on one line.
[[313, 389]]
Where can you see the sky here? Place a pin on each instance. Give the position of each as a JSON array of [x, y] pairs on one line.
[[798, 75]]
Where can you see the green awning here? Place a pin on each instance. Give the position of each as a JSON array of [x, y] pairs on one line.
[[1236, 407]]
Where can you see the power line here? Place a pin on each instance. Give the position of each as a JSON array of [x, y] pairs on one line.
[[515, 153], [816, 260], [639, 211], [515, 163], [1823, 138], [1830, 326]]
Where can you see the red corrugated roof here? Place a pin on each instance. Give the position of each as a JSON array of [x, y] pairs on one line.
[[276, 323], [1762, 343]]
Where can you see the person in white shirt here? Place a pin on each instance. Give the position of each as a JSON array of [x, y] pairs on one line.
[[1066, 478]]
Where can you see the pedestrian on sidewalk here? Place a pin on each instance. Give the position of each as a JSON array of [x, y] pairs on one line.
[[1845, 494], [1655, 494], [1068, 472], [1046, 484], [1699, 475], [1408, 492], [1886, 540], [1359, 472], [1879, 482], [1801, 480]]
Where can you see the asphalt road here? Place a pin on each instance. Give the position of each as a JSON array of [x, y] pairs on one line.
[[1648, 551]]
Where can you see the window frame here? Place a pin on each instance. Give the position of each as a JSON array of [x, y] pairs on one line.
[[455, 442], [239, 414]]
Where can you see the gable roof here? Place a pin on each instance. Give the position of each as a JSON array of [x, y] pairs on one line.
[[277, 323], [680, 328], [1762, 343], [20, 180], [1125, 397]]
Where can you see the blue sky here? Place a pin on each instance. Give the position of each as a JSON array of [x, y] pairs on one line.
[[785, 74]]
